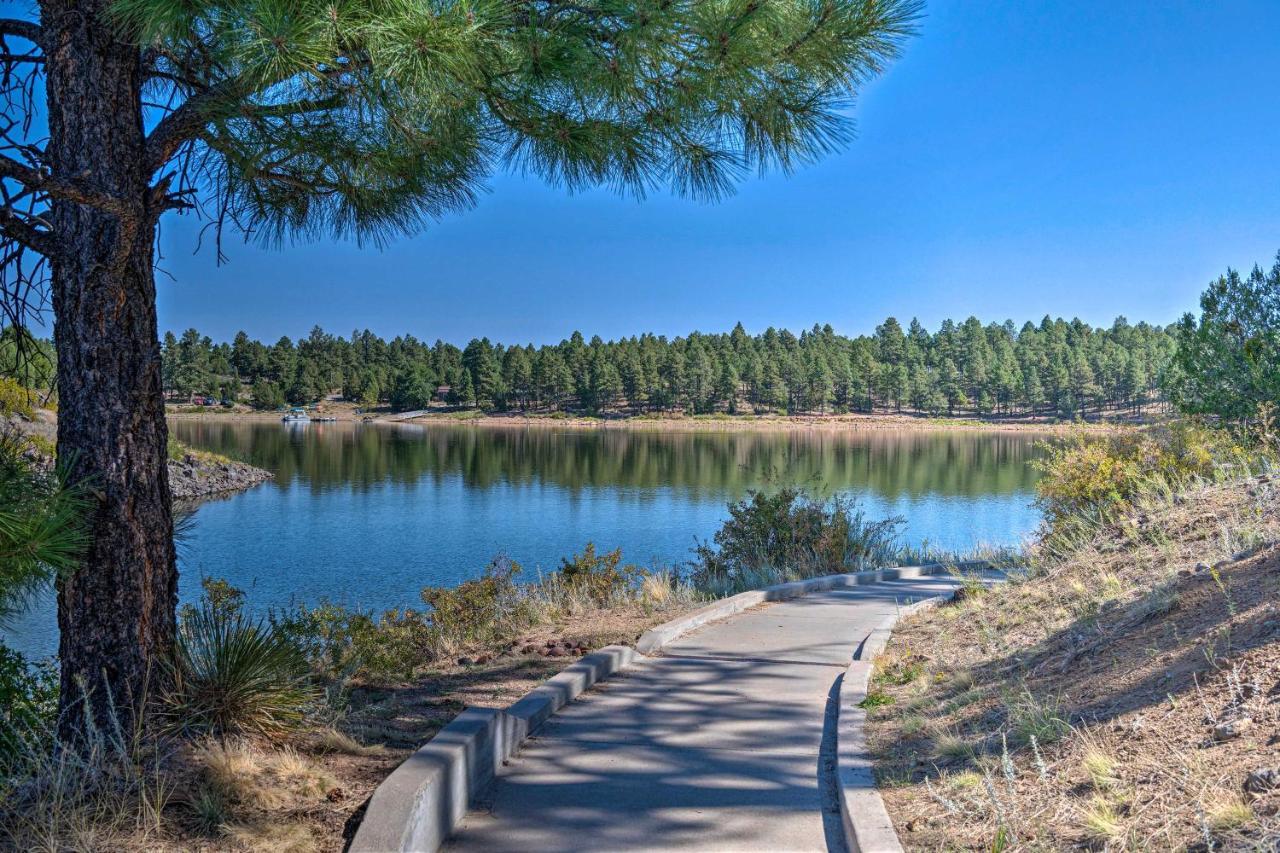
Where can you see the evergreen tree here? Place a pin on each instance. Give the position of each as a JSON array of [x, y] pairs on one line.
[[1228, 359]]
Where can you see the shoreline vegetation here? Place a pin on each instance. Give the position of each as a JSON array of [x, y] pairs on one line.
[[287, 723], [1120, 693], [447, 416], [194, 475]]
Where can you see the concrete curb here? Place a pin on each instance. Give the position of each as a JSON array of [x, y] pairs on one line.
[[656, 638], [867, 825], [421, 803]]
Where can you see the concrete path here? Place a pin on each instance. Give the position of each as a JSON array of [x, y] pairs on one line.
[[724, 742]]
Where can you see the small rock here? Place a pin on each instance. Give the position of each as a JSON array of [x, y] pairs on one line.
[[465, 661], [1232, 728], [1202, 567], [335, 795], [528, 650], [557, 652], [912, 825], [483, 659], [551, 644], [579, 651], [1262, 780]]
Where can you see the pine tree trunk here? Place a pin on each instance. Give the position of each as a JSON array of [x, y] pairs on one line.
[[116, 611]]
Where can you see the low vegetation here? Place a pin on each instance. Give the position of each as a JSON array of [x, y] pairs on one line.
[[1119, 694], [277, 727]]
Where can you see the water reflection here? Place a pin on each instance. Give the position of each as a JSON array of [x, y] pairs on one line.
[[888, 463], [368, 515]]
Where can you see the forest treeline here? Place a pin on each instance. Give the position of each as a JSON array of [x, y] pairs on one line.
[[1057, 368]]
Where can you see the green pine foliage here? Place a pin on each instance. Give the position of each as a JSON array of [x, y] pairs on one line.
[[1228, 360], [1055, 369], [41, 524], [380, 115]]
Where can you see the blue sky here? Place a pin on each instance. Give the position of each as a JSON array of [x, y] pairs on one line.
[[1073, 158]]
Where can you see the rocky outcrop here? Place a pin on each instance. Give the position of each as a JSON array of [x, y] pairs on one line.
[[194, 476], [200, 475]]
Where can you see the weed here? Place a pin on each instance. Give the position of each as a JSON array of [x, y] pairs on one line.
[[964, 781], [1230, 814], [1100, 768], [913, 725], [876, 699], [332, 740], [1032, 717], [209, 809], [952, 747], [1101, 820]]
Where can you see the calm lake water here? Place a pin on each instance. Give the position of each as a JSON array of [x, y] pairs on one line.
[[369, 514]]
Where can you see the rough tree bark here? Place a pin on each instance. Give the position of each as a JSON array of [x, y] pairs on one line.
[[116, 612]]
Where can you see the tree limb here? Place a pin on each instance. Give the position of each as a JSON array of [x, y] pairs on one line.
[[22, 29], [185, 123], [72, 191], [13, 226]]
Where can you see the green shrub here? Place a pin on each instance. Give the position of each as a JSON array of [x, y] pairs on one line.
[[791, 534], [28, 700], [480, 610], [16, 399], [234, 674], [600, 578], [1094, 475], [176, 449]]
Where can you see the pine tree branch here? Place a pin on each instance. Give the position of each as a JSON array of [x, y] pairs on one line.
[[185, 123], [73, 191], [15, 227], [22, 29], [182, 125]]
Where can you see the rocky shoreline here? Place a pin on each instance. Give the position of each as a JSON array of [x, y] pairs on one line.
[[202, 475], [194, 476]]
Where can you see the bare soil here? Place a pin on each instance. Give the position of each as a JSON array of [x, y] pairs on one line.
[[346, 412], [1147, 669], [392, 720]]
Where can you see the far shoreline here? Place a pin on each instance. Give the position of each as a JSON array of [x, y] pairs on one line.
[[345, 413]]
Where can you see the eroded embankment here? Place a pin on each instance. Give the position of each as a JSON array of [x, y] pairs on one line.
[[1127, 696]]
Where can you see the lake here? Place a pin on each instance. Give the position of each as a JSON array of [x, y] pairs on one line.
[[369, 514]]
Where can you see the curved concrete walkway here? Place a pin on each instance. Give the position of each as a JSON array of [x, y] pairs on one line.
[[724, 742]]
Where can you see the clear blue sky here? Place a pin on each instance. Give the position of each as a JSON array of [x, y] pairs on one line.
[[1073, 158]]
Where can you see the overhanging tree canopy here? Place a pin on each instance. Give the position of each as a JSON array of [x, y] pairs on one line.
[[360, 118]]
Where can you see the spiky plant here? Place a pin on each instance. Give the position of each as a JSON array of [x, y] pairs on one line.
[[234, 674]]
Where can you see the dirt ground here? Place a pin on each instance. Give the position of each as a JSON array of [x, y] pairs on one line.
[[1125, 698], [386, 724], [347, 412]]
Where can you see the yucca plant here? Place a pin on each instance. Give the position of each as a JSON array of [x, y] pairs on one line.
[[233, 674]]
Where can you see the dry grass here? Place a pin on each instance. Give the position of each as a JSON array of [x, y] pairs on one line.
[[332, 740], [1116, 697]]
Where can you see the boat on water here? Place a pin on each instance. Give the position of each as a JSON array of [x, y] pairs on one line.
[[296, 416]]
